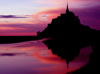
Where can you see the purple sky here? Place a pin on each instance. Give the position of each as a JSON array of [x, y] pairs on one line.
[[26, 17]]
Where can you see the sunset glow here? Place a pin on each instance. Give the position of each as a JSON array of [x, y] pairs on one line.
[[30, 16]]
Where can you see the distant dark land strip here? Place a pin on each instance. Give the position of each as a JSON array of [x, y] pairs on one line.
[[15, 39]]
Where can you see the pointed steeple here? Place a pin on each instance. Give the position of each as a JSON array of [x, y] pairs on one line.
[[67, 8]]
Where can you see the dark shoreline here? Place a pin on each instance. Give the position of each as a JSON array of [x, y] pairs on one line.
[[15, 39]]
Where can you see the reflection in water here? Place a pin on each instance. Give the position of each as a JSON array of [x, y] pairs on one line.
[[33, 57], [63, 50]]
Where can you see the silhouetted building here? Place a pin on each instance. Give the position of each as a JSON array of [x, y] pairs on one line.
[[69, 36], [60, 25]]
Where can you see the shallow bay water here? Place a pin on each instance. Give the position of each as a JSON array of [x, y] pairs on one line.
[[34, 57]]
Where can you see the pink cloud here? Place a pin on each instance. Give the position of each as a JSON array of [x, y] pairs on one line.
[[20, 29], [11, 28], [49, 14], [18, 34]]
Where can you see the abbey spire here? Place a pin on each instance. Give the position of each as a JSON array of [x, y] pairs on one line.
[[67, 8]]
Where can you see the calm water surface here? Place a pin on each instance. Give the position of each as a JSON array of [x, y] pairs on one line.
[[33, 57]]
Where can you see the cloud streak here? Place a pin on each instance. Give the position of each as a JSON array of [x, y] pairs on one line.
[[12, 16], [12, 54]]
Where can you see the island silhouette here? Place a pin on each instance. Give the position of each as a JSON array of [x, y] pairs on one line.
[[68, 37]]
